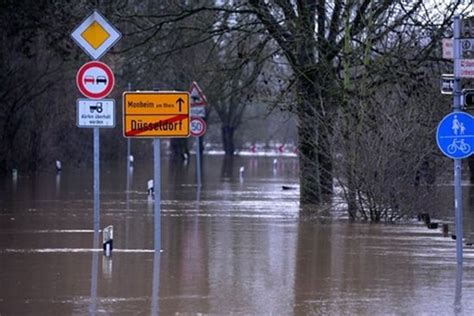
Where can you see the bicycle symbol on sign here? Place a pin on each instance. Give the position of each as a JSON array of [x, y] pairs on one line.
[[459, 145]]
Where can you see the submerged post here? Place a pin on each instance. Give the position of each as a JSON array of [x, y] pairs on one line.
[[198, 161], [96, 178], [157, 190], [108, 240], [457, 162], [157, 228], [129, 149]]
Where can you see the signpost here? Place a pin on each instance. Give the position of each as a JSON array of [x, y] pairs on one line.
[[198, 125], [457, 162], [95, 80], [455, 136], [156, 114]]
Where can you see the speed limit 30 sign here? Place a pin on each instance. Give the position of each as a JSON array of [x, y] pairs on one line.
[[197, 126]]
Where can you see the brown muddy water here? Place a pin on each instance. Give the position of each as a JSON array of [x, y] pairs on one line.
[[236, 247]]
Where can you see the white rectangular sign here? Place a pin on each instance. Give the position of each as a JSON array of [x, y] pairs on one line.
[[467, 68], [199, 111], [448, 48], [447, 83], [95, 113], [467, 48]]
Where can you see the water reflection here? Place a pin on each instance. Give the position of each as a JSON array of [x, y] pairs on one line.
[[58, 184], [94, 273], [155, 293], [228, 247], [127, 199], [227, 169], [458, 291], [471, 199]]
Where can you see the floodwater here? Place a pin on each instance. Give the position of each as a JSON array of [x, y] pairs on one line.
[[237, 246]]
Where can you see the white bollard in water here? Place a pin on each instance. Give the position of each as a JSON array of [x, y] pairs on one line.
[[151, 189], [58, 166], [108, 240]]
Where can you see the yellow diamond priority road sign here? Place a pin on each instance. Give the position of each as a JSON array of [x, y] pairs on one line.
[[156, 114], [95, 35]]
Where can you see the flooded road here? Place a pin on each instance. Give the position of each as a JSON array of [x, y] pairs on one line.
[[235, 246]]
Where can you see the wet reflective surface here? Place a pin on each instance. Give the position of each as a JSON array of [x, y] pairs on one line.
[[235, 246]]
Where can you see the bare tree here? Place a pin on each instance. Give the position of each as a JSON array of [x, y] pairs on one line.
[[311, 35]]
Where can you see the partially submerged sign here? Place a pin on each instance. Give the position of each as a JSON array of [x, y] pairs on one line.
[[156, 114], [95, 35]]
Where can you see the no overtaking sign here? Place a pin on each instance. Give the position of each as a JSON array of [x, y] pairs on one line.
[[95, 80]]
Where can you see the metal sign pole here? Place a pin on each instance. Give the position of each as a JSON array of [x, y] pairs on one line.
[[128, 146], [457, 162], [94, 274], [155, 290], [157, 214], [157, 189], [198, 161], [96, 178]]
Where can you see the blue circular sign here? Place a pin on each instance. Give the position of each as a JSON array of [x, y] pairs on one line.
[[455, 135]]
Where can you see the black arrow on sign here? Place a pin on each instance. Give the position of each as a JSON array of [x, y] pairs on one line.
[[180, 102]]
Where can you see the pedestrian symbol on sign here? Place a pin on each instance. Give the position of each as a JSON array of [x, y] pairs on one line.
[[459, 145], [458, 127]]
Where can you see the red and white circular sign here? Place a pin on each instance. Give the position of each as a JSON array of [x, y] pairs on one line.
[[95, 80], [197, 126]]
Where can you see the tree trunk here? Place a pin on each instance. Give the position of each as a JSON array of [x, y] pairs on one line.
[[325, 157], [34, 151], [308, 139], [228, 140]]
